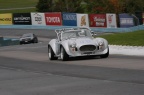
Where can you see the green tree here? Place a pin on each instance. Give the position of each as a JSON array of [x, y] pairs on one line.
[[97, 6], [44, 6], [114, 6], [68, 6], [91, 6], [59, 6], [132, 6]]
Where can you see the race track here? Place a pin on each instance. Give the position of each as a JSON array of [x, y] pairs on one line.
[[26, 70]]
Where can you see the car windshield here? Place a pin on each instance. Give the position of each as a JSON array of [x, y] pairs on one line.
[[27, 35], [74, 34]]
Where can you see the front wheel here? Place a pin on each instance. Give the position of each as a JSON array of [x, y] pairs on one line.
[[51, 54], [64, 56], [105, 55], [35, 40]]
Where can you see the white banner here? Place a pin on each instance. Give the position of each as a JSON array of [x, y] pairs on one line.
[[38, 19], [111, 20], [82, 20]]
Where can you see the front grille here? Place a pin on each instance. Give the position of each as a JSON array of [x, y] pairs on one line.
[[87, 48]]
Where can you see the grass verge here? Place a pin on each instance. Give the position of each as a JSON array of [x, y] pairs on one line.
[[19, 10], [130, 38], [10, 4]]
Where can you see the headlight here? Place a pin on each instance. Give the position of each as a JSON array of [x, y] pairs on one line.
[[72, 44], [101, 43]]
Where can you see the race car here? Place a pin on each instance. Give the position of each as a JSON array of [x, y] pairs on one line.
[[28, 38], [74, 42]]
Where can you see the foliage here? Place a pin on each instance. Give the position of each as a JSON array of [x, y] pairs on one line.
[[44, 6], [114, 6], [132, 6], [77, 6], [68, 5], [59, 6], [97, 6]]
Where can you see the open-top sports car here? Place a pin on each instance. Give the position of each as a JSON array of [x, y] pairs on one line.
[[76, 42]]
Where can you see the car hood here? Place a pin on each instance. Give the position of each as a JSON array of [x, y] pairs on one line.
[[26, 38], [83, 41]]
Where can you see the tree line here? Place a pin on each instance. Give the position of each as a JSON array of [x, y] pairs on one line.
[[91, 6]]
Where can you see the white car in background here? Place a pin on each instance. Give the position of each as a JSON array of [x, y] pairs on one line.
[[74, 42]]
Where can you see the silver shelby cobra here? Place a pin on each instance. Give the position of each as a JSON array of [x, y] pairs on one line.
[[76, 42]]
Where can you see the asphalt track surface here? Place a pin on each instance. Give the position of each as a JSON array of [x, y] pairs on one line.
[[26, 70]]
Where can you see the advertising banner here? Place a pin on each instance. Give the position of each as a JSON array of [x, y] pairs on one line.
[[138, 18], [69, 19], [111, 20], [82, 20], [97, 20], [22, 19], [6, 19], [126, 20], [143, 18], [53, 18], [38, 19]]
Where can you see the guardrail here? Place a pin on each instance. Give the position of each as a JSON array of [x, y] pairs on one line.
[[131, 29]]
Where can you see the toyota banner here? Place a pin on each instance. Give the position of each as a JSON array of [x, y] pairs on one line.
[[53, 18]]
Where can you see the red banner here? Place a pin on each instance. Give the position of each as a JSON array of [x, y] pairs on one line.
[[53, 18], [97, 20]]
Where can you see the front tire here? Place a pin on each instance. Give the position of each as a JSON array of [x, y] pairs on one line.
[[51, 54], [64, 56], [105, 55]]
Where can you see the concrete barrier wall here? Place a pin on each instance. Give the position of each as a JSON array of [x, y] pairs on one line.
[[1, 40], [8, 42], [131, 29]]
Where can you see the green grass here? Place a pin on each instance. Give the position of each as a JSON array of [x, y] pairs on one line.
[[19, 10], [7, 4], [130, 38]]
